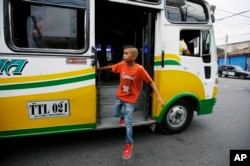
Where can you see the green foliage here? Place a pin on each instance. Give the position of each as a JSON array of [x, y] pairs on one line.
[[220, 50]]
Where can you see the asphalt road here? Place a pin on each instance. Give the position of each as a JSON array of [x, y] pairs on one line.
[[206, 142]]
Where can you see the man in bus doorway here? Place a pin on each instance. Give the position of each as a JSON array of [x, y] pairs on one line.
[[132, 76], [183, 48]]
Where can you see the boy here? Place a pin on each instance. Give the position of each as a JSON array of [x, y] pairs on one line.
[[132, 76]]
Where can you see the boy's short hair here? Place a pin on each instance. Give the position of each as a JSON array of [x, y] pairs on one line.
[[133, 48], [129, 46]]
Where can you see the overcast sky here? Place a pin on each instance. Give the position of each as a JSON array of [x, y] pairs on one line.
[[232, 19]]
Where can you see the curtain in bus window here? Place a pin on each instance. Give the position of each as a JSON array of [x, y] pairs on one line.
[[206, 37], [59, 27], [206, 46], [184, 11], [69, 3], [53, 27]]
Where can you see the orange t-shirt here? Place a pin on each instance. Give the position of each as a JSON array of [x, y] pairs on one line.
[[131, 79]]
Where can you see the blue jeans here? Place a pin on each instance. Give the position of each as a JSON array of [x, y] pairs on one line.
[[127, 114]]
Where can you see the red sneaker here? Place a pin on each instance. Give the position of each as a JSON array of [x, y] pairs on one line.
[[122, 122], [127, 151]]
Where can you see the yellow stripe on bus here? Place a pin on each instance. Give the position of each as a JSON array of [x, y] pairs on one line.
[[168, 56], [175, 83], [14, 114]]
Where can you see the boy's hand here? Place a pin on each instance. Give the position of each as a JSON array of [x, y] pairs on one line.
[[97, 70], [160, 101]]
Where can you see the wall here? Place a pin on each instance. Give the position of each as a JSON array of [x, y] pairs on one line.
[[241, 60]]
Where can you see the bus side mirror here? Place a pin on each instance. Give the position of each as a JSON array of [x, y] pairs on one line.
[[212, 8], [213, 18]]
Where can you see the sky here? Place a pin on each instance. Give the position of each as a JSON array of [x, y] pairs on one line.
[[232, 19]]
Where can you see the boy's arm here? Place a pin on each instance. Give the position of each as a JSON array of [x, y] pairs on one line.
[[159, 99], [104, 68]]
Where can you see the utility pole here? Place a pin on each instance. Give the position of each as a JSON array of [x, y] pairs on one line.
[[225, 56]]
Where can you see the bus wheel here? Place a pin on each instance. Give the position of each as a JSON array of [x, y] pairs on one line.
[[177, 118]]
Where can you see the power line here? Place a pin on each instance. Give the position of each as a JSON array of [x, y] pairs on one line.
[[232, 15]]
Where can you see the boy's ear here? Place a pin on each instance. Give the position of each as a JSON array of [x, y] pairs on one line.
[[134, 56]]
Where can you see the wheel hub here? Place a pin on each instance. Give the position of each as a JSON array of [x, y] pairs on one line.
[[177, 116]]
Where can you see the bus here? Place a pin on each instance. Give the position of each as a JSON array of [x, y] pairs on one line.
[[50, 49]]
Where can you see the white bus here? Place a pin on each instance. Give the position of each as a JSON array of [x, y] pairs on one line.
[[49, 50]]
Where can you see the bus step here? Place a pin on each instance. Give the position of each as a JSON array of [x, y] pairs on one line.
[[112, 122]]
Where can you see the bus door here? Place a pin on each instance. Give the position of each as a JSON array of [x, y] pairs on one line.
[[118, 26], [147, 60]]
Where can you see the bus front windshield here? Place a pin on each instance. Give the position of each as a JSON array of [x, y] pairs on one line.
[[191, 11]]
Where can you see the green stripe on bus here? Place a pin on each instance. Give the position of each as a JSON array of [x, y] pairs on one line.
[[47, 130], [205, 107], [47, 83], [167, 62]]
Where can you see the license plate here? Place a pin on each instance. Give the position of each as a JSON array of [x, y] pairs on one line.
[[48, 109]]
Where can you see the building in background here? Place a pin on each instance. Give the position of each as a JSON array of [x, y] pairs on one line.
[[236, 54]]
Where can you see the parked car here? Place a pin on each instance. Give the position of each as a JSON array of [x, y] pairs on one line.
[[233, 71]]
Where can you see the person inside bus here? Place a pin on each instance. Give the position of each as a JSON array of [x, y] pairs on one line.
[[37, 31], [132, 76], [183, 48]]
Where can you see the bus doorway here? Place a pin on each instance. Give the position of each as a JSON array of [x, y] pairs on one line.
[[116, 26]]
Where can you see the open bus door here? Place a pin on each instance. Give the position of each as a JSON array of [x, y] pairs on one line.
[[147, 60], [116, 28]]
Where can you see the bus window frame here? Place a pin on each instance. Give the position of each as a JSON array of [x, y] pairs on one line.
[[147, 2], [197, 2], [200, 41], [9, 30]]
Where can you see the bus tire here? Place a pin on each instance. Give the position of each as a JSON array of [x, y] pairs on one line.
[[177, 118]]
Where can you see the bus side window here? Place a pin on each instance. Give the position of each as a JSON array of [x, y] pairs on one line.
[[206, 52], [46, 26], [192, 38]]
